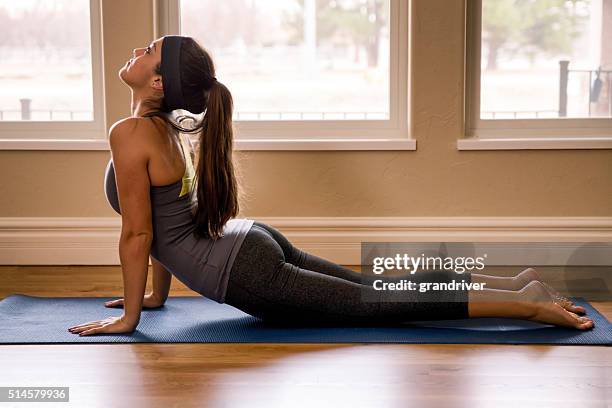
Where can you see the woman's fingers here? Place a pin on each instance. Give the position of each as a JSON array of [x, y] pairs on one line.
[[80, 329], [112, 303], [90, 329], [84, 326], [97, 329], [113, 324]]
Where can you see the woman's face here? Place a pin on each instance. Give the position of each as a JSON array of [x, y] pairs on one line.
[[139, 71]]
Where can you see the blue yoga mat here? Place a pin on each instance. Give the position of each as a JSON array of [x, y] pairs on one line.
[[29, 319]]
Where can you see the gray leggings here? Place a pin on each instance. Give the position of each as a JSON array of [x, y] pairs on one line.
[[277, 282]]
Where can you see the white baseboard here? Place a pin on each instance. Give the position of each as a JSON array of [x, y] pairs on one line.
[[94, 241]]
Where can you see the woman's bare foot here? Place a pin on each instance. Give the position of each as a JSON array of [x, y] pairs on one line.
[[547, 311], [555, 314], [530, 274]]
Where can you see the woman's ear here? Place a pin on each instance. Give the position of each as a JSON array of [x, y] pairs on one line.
[[157, 83]]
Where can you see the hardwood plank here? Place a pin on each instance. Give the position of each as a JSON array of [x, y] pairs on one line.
[[292, 375], [306, 375]]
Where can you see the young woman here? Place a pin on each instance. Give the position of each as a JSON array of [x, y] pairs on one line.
[[183, 216]]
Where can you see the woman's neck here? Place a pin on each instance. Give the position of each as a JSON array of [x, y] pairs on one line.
[[141, 105]]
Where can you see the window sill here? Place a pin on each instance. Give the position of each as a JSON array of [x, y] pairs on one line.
[[54, 144], [535, 143], [248, 144], [325, 144]]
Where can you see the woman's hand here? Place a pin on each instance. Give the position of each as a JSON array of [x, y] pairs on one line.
[[149, 301], [113, 324]]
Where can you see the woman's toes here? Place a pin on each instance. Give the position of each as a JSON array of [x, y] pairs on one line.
[[586, 324], [562, 300], [575, 316], [571, 307], [579, 322], [558, 315], [577, 309]]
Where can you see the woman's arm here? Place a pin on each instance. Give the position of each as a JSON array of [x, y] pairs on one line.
[[162, 279], [128, 141]]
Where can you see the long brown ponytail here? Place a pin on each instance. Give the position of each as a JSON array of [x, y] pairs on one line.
[[216, 183], [216, 186]]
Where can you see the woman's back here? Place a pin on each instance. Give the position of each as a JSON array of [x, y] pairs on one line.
[[201, 264]]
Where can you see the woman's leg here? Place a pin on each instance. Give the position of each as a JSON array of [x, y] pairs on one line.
[[314, 263], [263, 284]]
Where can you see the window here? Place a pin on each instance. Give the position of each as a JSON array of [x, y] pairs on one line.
[[51, 74], [539, 74], [306, 74]]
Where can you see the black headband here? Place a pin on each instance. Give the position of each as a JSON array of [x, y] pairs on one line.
[[171, 74]]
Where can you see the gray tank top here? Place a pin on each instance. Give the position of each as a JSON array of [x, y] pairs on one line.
[[202, 264]]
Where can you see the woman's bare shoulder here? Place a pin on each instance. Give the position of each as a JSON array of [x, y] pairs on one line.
[[133, 133], [131, 124]]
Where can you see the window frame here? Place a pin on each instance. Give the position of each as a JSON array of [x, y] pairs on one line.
[[392, 134], [513, 134], [67, 135]]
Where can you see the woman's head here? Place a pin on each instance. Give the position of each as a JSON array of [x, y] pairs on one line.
[[140, 72], [175, 72]]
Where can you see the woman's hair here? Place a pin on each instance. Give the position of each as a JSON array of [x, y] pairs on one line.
[[216, 185]]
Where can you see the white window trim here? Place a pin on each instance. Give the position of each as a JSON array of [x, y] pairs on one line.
[[394, 134], [66, 135], [516, 134]]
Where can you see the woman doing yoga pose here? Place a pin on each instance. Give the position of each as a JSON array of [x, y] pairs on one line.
[[182, 215]]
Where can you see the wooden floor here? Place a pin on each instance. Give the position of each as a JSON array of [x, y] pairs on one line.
[[292, 375]]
